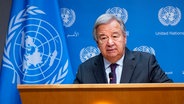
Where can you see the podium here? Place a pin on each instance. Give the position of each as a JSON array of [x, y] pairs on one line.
[[158, 93]]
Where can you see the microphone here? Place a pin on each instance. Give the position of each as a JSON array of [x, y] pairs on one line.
[[110, 76]]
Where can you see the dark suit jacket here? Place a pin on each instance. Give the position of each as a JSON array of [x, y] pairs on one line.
[[138, 67]]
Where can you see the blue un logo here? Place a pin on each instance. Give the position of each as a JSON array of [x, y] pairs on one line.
[[38, 50], [34, 49], [169, 16]]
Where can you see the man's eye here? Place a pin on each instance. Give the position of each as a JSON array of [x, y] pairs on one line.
[[103, 37], [116, 36]]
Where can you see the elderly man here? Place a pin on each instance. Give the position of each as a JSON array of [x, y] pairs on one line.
[[115, 63]]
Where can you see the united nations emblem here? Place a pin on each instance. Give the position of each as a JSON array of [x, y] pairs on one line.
[[68, 17], [119, 12], [145, 49], [88, 52], [33, 52], [169, 16]]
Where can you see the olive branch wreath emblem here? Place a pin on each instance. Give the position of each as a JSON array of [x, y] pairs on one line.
[[15, 23], [165, 19]]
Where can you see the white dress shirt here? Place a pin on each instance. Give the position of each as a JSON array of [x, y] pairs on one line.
[[119, 69]]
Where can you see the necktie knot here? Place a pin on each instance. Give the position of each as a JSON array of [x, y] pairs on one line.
[[113, 67]]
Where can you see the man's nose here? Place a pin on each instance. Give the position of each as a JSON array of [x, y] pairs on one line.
[[110, 41]]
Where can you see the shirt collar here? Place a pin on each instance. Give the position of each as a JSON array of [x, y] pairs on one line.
[[119, 62]]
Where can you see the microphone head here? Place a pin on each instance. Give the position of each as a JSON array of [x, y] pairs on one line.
[[110, 75]]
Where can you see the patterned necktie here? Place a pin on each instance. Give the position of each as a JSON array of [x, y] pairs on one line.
[[112, 75]]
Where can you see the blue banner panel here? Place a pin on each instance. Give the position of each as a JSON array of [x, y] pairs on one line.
[[154, 26]]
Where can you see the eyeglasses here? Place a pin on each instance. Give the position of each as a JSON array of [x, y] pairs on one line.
[[104, 38]]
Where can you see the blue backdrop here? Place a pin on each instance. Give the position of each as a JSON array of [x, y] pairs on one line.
[[48, 39], [154, 26]]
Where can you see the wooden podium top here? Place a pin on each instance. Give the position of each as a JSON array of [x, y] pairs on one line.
[[89, 86], [144, 93]]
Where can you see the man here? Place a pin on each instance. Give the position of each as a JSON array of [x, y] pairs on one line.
[[130, 67]]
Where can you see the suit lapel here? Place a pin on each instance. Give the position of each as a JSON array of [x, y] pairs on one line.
[[128, 67], [99, 71]]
